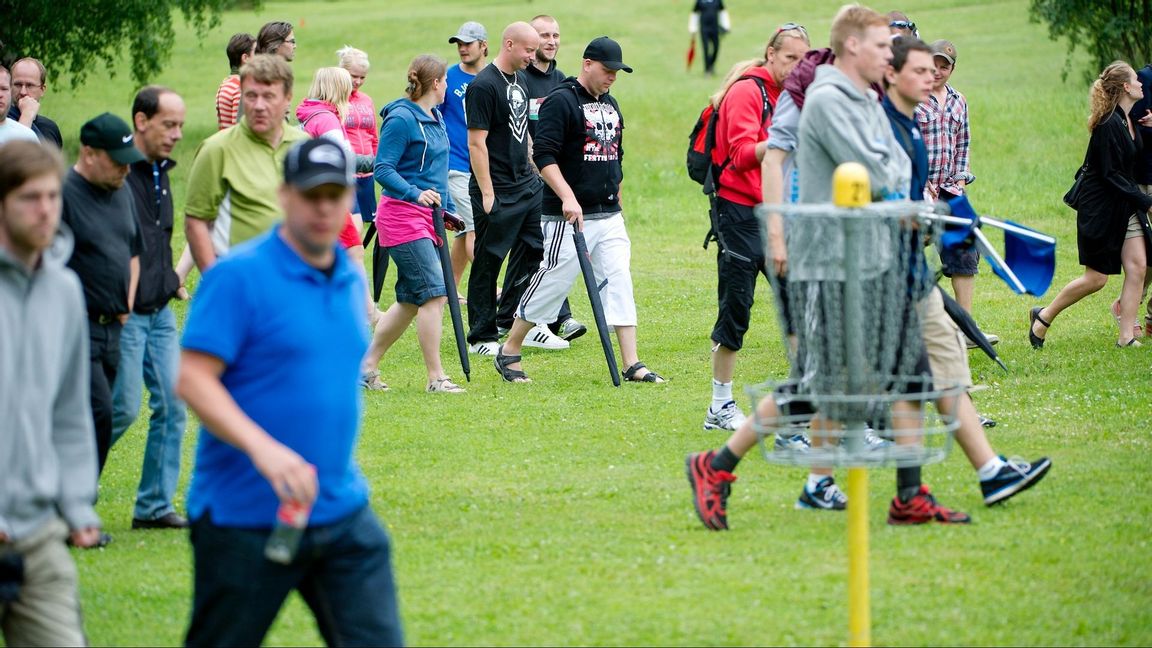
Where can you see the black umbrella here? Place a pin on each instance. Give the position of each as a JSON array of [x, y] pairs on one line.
[[968, 325], [379, 261], [597, 305], [453, 297]]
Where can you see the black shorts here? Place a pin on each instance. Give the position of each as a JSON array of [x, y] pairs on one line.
[[963, 261], [739, 261]]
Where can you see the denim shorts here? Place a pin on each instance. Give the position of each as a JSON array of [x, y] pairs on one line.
[[419, 275]]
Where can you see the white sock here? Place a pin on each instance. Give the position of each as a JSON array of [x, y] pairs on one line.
[[721, 394], [814, 480], [990, 469]]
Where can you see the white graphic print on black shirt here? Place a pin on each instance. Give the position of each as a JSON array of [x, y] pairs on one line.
[[601, 132], [517, 111]]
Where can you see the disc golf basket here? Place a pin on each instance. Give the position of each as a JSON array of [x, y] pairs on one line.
[[856, 271]]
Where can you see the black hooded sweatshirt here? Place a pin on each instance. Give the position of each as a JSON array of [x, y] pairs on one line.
[[581, 134]]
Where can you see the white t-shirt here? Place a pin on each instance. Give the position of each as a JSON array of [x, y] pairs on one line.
[[12, 130]]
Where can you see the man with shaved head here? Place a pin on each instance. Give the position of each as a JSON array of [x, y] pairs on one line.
[[505, 191]]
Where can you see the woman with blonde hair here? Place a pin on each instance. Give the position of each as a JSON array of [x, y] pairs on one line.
[[412, 170], [1111, 212], [743, 109], [360, 128], [321, 114]]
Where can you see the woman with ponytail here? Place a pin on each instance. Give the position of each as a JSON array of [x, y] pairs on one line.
[[1112, 232], [412, 169]]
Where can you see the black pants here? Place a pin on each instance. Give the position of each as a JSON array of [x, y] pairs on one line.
[[343, 572], [710, 39], [740, 261], [104, 354], [512, 230]]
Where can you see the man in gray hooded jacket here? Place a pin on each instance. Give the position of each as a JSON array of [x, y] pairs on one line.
[[47, 446]]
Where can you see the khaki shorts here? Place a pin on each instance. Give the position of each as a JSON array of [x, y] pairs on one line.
[[1134, 230], [48, 611], [944, 342], [458, 189]]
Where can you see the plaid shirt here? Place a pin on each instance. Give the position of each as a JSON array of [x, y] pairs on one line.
[[945, 132]]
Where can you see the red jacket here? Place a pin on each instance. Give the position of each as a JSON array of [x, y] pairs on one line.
[[738, 131]]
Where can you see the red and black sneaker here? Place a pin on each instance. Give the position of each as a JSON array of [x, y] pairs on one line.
[[923, 509], [710, 489]]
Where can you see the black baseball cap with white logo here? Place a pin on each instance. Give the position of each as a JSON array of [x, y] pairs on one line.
[[316, 162], [108, 132], [606, 52]]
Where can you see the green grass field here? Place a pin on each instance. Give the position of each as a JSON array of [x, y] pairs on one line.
[[558, 513]]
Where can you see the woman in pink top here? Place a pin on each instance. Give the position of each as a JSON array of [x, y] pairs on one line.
[[322, 115], [360, 129]]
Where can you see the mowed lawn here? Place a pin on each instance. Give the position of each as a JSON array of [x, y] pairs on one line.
[[558, 513]]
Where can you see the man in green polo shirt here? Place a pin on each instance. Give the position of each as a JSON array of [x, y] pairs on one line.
[[232, 185]]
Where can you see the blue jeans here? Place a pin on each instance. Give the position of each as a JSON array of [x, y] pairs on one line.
[[150, 349], [419, 273], [343, 571]]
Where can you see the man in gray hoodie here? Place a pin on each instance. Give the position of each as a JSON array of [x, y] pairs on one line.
[[843, 122], [47, 446]]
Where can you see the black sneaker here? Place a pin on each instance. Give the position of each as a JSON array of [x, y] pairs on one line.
[[826, 497], [1015, 476], [710, 490]]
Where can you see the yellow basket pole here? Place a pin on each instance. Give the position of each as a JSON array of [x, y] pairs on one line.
[[851, 188], [859, 605]]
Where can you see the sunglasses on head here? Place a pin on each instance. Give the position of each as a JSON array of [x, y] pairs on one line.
[[786, 27], [903, 24]]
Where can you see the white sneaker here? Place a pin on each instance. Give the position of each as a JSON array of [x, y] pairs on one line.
[[728, 418], [484, 348], [541, 338]]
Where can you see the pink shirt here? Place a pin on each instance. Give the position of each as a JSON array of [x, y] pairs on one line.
[[360, 125], [399, 221]]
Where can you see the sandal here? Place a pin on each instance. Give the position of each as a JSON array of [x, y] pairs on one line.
[[1137, 330], [444, 385], [370, 380], [509, 375], [1132, 342], [650, 377], [1033, 317]]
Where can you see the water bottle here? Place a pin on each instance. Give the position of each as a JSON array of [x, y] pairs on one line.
[[291, 520]]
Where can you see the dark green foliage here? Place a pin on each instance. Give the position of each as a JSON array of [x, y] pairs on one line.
[[1106, 29], [76, 37]]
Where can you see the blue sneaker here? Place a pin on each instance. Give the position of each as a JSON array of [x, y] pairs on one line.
[[826, 497], [1015, 476]]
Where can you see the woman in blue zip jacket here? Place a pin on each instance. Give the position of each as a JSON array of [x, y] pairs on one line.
[[412, 169]]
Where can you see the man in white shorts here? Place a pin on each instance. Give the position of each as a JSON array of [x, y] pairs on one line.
[[578, 151]]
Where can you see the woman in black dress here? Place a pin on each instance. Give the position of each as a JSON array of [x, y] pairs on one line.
[[1112, 216]]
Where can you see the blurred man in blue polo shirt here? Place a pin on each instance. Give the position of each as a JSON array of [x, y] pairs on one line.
[[280, 405]]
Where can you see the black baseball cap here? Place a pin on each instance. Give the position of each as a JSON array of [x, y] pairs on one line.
[[108, 132], [607, 52], [316, 162]]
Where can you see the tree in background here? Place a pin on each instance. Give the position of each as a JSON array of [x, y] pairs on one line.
[[76, 36], [1106, 29]]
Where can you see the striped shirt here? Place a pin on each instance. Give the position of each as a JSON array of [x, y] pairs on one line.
[[228, 102], [946, 134]]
